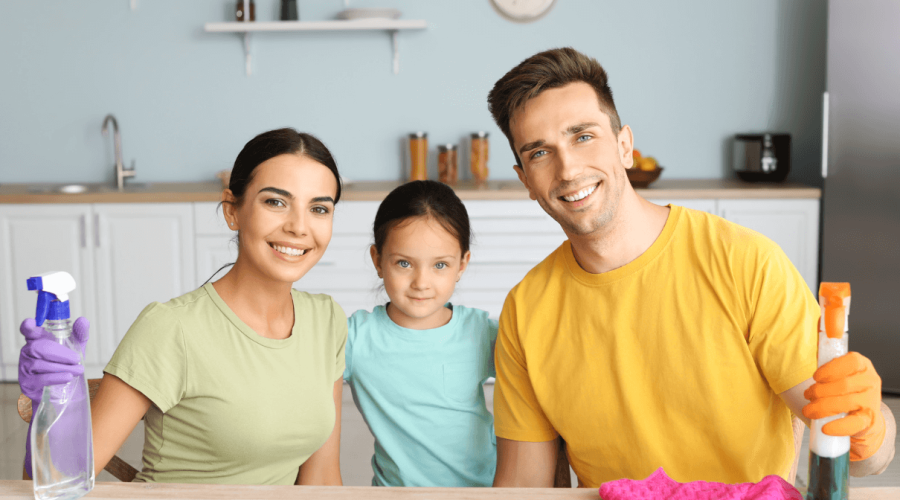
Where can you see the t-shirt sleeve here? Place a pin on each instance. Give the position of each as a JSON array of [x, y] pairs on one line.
[[493, 326], [783, 334], [352, 324], [517, 414], [339, 320], [152, 357]]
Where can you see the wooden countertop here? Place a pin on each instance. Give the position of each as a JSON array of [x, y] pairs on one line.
[[172, 192], [22, 490]]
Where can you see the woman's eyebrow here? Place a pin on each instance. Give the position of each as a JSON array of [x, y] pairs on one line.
[[321, 199], [277, 191]]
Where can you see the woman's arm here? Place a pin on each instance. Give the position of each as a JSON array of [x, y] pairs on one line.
[[115, 411], [323, 468]]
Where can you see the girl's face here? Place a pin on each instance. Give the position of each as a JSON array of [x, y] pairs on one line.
[[286, 217], [420, 263]]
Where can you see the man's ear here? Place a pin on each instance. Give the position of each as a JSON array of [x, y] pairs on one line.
[[524, 180], [376, 259], [229, 209], [625, 145]]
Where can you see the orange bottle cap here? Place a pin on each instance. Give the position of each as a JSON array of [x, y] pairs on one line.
[[831, 296]]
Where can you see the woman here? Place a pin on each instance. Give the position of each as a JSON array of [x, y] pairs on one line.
[[240, 380]]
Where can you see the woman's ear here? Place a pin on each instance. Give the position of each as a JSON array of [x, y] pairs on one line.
[[229, 209], [376, 259]]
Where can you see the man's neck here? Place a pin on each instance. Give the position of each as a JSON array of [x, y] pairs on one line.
[[634, 229]]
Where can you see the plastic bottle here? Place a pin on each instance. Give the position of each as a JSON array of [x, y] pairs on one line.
[[829, 456], [62, 454]]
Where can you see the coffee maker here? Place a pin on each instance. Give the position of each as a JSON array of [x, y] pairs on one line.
[[762, 157]]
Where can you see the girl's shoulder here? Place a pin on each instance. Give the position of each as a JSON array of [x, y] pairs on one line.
[[471, 318]]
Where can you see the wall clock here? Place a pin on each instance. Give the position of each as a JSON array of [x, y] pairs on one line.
[[522, 11]]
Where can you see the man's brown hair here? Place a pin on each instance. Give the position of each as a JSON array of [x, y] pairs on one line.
[[546, 70]]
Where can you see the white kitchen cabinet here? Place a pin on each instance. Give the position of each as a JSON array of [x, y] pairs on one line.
[[35, 239], [791, 223], [144, 253]]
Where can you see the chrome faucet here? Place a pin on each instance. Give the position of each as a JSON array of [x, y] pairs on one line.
[[121, 171]]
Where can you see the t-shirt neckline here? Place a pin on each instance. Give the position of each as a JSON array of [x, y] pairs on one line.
[[430, 335], [632, 267], [245, 329]]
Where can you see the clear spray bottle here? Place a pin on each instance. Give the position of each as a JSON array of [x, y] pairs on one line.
[[62, 457], [829, 456]]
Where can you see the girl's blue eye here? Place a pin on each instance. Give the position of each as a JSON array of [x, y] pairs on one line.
[[441, 265], [403, 263]]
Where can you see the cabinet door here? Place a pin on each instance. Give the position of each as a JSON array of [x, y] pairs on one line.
[[215, 244], [346, 271], [145, 253], [792, 224], [35, 239], [509, 238]]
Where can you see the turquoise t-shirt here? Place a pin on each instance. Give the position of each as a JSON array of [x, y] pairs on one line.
[[420, 392]]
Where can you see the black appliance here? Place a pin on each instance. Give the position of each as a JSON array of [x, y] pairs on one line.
[[762, 157]]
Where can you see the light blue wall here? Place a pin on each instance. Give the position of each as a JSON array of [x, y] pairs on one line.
[[686, 76]]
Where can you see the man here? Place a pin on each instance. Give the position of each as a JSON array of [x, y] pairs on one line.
[[655, 336]]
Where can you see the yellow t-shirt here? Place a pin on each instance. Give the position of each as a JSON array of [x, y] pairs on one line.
[[674, 360]]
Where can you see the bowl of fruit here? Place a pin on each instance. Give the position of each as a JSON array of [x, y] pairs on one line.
[[644, 171]]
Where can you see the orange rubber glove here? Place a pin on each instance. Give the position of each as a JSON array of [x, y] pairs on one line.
[[849, 384]]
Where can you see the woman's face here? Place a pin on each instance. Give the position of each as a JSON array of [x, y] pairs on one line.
[[286, 217]]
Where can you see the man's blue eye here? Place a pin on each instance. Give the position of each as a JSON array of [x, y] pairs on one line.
[[583, 137], [538, 154]]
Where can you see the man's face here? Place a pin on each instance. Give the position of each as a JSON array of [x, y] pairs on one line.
[[572, 162]]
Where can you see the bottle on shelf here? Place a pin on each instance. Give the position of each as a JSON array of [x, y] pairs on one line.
[[239, 14]]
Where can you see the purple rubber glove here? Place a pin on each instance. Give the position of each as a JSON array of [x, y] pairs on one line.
[[43, 361]]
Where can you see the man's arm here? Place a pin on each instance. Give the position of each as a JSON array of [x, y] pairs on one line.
[[522, 464], [875, 464]]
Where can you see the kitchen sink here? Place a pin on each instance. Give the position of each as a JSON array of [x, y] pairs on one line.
[[83, 188]]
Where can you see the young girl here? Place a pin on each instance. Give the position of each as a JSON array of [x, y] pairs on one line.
[[416, 365]]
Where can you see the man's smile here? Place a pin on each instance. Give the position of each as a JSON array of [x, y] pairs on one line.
[[581, 197]]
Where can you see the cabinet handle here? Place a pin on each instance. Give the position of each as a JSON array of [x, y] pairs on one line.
[[97, 230], [83, 225], [825, 135]]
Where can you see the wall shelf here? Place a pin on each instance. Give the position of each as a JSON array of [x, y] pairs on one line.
[[392, 26]]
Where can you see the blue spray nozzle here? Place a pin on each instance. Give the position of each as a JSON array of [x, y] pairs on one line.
[[53, 295], [35, 283]]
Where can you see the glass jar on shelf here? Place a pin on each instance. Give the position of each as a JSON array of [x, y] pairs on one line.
[[448, 164], [418, 156], [478, 157]]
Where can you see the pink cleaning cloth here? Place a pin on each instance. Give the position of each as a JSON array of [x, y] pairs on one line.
[[659, 486]]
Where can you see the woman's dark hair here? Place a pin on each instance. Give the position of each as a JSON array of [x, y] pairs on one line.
[[273, 143], [268, 145], [423, 199]]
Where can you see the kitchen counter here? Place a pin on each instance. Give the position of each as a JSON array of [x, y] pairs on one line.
[[172, 192], [22, 490]]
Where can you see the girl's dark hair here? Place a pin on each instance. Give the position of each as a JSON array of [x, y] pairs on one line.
[[423, 199], [268, 145], [273, 143]]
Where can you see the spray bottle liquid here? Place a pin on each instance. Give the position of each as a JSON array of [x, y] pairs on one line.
[[829, 456], [62, 456]]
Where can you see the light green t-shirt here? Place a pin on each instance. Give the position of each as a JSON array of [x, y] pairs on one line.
[[230, 406]]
